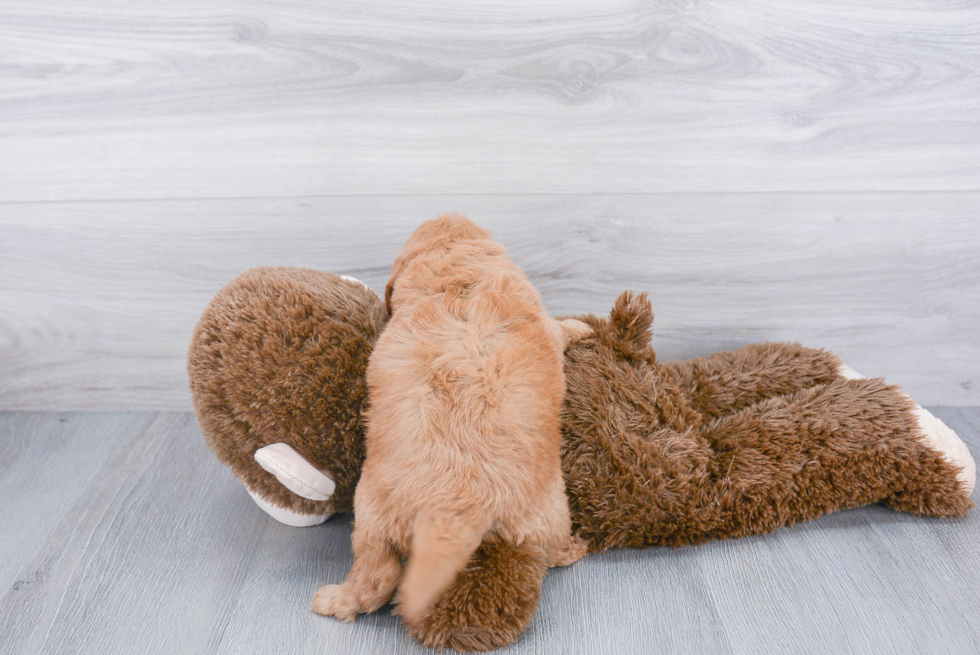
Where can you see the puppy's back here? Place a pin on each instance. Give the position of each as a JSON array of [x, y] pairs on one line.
[[466, 386], [469, 370]]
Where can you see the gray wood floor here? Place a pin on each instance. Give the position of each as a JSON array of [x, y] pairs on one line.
[[119, 533]]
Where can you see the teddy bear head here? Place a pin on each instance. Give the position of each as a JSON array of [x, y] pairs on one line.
[[277, 370]]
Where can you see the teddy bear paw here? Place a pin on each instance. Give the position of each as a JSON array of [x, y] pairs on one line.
[[938, 436], [848, 373], [941, 437]]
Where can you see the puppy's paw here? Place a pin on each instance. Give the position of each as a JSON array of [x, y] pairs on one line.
[[573, 551], [337, 601], [572, 330]]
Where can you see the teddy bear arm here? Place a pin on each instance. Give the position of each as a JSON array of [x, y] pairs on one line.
[[727, 382]]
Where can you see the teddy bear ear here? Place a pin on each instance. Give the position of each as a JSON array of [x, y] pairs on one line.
[[631, 319]]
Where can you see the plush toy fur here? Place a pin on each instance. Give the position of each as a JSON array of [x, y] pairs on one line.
[[280, 356], [654, 454]]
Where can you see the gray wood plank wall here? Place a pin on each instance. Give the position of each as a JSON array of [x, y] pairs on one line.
[[802, 171]]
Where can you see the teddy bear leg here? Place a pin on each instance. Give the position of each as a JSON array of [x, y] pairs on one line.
[[727, 382], [844, 444]]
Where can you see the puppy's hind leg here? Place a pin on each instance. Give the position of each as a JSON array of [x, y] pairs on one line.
[[369, 585], [561, 547]]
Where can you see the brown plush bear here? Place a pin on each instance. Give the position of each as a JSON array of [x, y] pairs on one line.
[[654, 454]]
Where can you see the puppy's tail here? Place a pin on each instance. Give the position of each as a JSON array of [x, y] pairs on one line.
[[442, 544]]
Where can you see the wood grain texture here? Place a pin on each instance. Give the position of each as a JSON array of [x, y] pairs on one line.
[[108, 100], [46, 463], [158, 549], [132, 565], [98, 299]]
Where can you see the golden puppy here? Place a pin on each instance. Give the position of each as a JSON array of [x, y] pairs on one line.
[[463, 439]]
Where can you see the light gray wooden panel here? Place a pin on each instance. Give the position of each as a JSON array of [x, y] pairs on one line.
[[948, 545], [861, 581], [98, 299], [866, 580], [148, 560], [162, 551], [289, 566], [226, 99], [628, 601], [46, 462]]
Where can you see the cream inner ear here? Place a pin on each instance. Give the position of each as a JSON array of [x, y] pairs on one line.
[[294, 472]]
